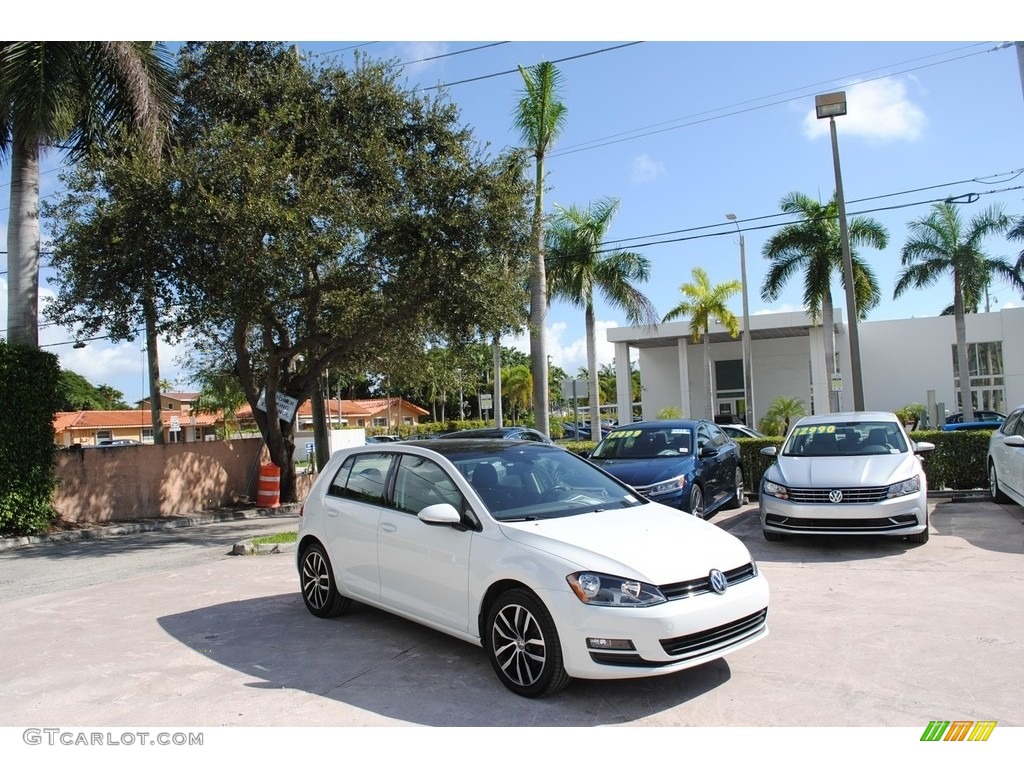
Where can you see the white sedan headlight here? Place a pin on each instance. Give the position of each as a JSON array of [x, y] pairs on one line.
[[602, 589], [913, 485]]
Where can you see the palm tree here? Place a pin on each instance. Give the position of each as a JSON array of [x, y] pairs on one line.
[[577, 267], [705, 302], [540, 117], [813, 246], [941, 243], [75, 95], [781, 413], [517, 386]]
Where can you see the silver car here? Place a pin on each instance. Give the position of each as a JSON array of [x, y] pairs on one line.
[[846, 473], [1006, 460]]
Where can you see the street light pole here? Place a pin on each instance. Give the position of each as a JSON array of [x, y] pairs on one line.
[[829, 105], [748, 365]]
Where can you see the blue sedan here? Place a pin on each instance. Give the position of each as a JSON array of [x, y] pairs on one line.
[[690, 464]]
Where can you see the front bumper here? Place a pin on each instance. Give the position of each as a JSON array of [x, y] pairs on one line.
[[679, 634], [901, 516]]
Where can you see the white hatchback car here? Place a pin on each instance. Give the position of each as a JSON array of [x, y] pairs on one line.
[[1006, 460], [555, 568], [846, 473]]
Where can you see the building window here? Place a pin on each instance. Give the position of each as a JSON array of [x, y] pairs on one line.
[[147, 435], [379, 421], [985, 364], [104, 434]]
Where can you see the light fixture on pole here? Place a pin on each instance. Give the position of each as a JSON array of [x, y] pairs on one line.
[[830, 105], [748, 385]]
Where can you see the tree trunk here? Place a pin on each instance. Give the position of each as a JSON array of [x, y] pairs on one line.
[[153, 358], [23, 246], [709, 390], [593, 387], [828, 320], [496, 352], [539, 308], [962, 361]]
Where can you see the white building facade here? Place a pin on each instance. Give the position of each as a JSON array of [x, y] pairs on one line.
[[902, 362]]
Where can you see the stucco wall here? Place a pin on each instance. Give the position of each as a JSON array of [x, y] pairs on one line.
[[144, 481]]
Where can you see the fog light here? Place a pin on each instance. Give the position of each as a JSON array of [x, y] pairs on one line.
[[610, 644]]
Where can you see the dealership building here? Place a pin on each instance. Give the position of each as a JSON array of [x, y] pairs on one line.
[[902, 362]]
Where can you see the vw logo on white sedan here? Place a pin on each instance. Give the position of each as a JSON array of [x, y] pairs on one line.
[[835, 496], [718, 581]]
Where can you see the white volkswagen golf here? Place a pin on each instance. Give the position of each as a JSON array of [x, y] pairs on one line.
[[846, 473], [555, 568]]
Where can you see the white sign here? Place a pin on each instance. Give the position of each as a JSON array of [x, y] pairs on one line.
[[837, 382], [286, 406], [486, 402], [575, 389], [175, 424]]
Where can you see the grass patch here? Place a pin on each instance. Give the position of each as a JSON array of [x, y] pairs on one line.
[[285, 537]]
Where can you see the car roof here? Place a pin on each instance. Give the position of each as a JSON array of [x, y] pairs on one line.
[[495, 432], [663, 424], [830, 418], [455, 448]]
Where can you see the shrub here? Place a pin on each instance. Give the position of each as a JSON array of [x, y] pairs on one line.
[[29, 381]]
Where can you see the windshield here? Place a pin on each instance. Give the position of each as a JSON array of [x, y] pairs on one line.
[[530, 484], [646, 443], [848, 438]]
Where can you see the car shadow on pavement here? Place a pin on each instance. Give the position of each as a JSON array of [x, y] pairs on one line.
[[379, 663]]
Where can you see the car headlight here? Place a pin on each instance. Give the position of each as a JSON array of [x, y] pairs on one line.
[[602, 589], [913, 485], [774, 489], [667, 486]]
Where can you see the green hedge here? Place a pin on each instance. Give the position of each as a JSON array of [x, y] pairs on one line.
[[29, 381]]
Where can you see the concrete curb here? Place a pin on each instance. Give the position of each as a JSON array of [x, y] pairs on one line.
[[247, 547], [102, 531]]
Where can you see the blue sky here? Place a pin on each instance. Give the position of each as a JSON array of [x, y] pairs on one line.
[[682, 133]]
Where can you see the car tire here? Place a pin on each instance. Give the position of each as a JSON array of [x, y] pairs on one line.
[[523, 646], [993, 486], [772, 535], [316, 579], [919, 538], [695, 502], [738, 498]]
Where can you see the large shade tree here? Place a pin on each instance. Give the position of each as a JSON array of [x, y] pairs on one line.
[[72, 95], [942, 244], [812, 247], [540, 118], [703, 303], [579, 268]]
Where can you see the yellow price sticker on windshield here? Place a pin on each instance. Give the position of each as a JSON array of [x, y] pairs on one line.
[[817, 429]]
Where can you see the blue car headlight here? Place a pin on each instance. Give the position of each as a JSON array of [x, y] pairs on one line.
[[602, 589], [674, 485]]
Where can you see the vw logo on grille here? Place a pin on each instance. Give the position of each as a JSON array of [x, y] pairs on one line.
[[835, 496], [718, 581]]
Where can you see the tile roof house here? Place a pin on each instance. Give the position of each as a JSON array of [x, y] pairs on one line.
[[89, 427], [379, 412]]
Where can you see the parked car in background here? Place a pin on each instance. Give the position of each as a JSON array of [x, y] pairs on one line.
[[556, 569], [1006, 460], [846, 473], [113, 443], [690, 464], [574, 431], [499, 433], [740, 430], [982, 420], [375, 439]]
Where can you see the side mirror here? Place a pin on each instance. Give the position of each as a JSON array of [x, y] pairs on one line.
[[1014, 441], [923, 447], [771, 450], [439, 514]]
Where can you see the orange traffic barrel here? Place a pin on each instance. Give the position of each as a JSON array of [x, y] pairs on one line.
[[268, 492]]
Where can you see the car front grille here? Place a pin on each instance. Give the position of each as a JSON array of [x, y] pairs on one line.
[[832, 525], [710, 640], [871, 495], [701, 586]]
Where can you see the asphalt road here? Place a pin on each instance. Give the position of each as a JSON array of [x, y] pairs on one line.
[[168, 629]]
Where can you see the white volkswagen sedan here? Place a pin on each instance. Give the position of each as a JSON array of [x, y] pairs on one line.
[[1006, 460], [846, 473], [555, 568]]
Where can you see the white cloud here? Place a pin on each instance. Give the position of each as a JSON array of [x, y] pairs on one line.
[[570, 354], [645, 168], [880, 110], [416, 52]]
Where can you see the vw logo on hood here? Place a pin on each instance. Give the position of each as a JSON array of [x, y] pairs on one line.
[[718, 581], [835, 496]]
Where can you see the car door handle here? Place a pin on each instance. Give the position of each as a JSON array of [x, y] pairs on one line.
[[389, 527]]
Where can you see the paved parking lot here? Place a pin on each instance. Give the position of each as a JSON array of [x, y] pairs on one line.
[[864, 632]]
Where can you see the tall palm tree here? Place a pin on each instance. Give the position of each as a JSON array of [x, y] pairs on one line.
[[942, 243], [705, 302], [540, 117], [813, 246], [74, 95], [577, 267]]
